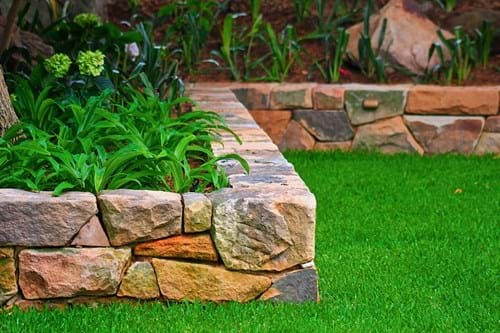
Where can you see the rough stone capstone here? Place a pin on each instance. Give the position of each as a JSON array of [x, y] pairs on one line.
[[197, 212], [40, 219], [292, 96], [140, 282], [328, 97], [191, 281], [138, 215], [70, 272]]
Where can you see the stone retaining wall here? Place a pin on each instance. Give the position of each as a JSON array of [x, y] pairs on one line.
[[253, 240], [391, 119]]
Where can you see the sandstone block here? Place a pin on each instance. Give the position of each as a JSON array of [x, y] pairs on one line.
[[194, 246], [137, 215], [189, 281], [387, 136], [91, 234], [254, 96], [330, 146], [291, 96], [39, 219], [446, 134], [273, 122], [492, 124], [8, 284], [489, 143], [294, 287], [325, 125], [328, 97], [296, 137], [197, 212], [70, 272], [140, 282]]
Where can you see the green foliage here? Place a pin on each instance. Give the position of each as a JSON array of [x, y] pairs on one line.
[[302, 9], [90, 63], [371, 61], [87, 20], [484, 41], [447, 5]]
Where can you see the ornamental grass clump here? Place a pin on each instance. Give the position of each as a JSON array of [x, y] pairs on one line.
[[90, 63]]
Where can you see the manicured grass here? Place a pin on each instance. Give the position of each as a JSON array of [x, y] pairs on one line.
[[403, 244]]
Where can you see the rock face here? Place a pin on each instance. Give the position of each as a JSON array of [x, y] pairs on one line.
[[8, 284], [45, 220], [442, 134], [294, 287], [489, 143], [328, 97], [197, 212], [388, 136], [428, 100], [391, 103], [296, 137], [71, 272], [492, 124], [195, 246], [131, 215], [140, 282], [325, 125], [293, 96], [330, 146], [265, 229], [91, 234], [408, 37], [254, 96], [274, 123], [187, 281]]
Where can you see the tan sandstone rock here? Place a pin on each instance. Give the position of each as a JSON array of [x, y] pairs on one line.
[[489, 143], [330, 146], [193, 246], [446, 134], [296, 137], [39, 219], [492, 124], [328, 97], [137, 215], [264, 228], [189, 281], [70, 272], [388, 136], [91, 234], [274, 122], [197, 212], [140, 282], [292, 96], [8, 284]]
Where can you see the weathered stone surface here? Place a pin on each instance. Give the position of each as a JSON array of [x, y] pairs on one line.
[[188, 281], [329, 146], [492, 124], [140, 282], [408, 37], [294, 287], [70, 272], [91, 234], [443, 134], [489, 143], [325, 125], [263, 228], [391, 103], [194, 246], [138, 215], [8, 284], [292, 96], [197, 212], [387, 136], [39, 219], [296, 137], [254, 96], [274, 123], [453, 100], [328, 97]]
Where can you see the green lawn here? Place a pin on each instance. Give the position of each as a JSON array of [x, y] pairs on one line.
[[403, 244]]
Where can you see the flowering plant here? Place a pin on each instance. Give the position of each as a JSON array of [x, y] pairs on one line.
[[58, 64], [87, 20], [91, 63]]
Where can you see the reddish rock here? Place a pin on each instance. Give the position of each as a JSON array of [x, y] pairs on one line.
[[388, 136], [274, 123], [408, 37], [288, 96], [437, 100], [137, 215], [197, 212], [91, 234], [140, 282], [181, 281], [296, 137], [492, 124], [442, 134], [8, 284], [193, 246], [489, 143], [40, 219], [329, 146], [328, 97], [70, 272]]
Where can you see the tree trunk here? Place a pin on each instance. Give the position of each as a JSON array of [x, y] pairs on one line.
[[7, 115]]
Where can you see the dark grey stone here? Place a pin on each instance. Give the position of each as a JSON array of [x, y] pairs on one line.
[[325, 125], [297, 287]]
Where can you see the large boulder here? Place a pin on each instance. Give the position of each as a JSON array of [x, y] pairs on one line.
[[408, 37]]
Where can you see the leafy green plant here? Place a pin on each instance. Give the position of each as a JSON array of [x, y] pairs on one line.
[[484, 41], [371, 61], [331, 72], [447, 5], [229, 51], [302, 9]]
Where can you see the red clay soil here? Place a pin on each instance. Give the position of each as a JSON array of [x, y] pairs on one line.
[[281, 12]]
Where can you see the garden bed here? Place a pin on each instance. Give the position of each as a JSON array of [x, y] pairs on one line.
[[254, 240]]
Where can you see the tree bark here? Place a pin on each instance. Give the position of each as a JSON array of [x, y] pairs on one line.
[[8, 116], [10, 25]]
